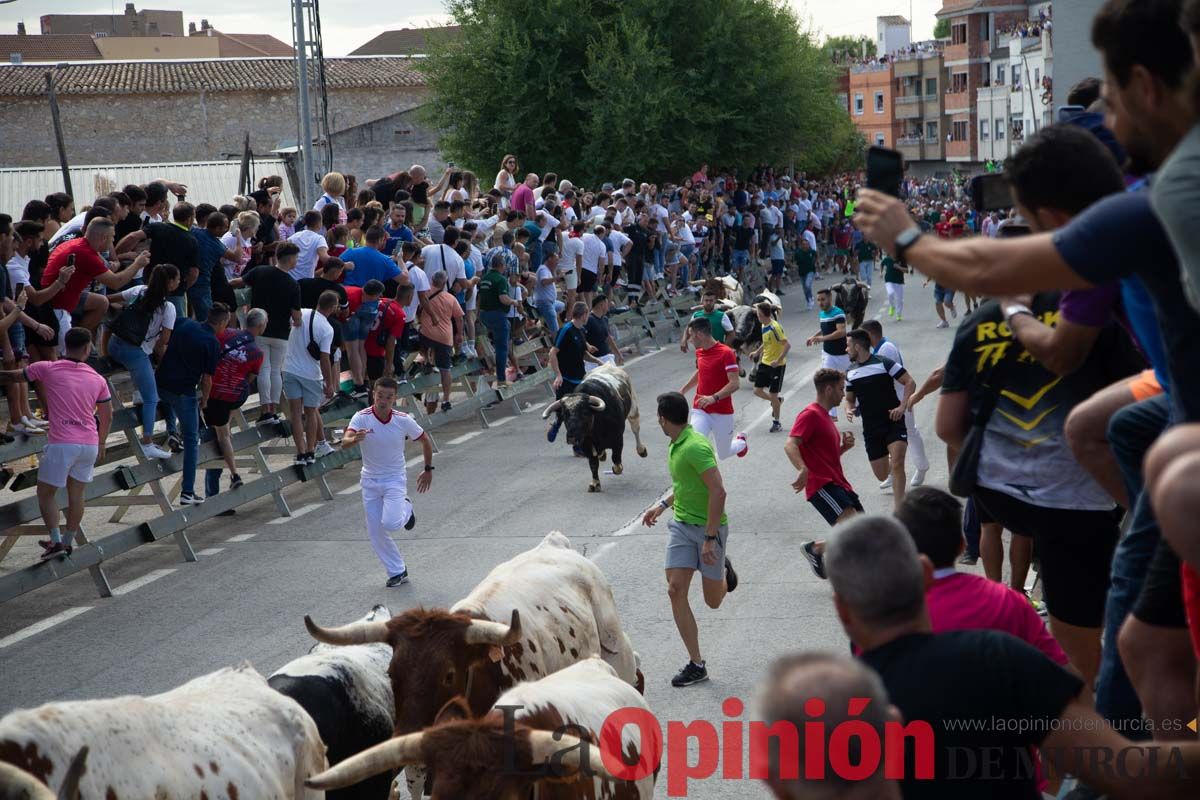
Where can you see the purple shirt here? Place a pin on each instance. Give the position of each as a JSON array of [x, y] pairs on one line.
[[1092, 308]]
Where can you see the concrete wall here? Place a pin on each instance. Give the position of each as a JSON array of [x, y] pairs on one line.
[[387, 145], [127, 24], [123, 129], [1074, 56], [139, 48]]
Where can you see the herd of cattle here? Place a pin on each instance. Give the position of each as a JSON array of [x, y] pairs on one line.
[[425, 691]]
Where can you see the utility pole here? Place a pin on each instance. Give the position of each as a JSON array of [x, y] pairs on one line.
[[58, 134], [304, 154]]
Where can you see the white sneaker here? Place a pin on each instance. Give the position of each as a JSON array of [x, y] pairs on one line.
[[28, 430], [35, 422], [887, 484], [154, 451], [953, 313], [323, 448], [918, 478], [942, 324]]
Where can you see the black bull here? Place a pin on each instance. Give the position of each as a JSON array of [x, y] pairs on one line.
[[594, 416]]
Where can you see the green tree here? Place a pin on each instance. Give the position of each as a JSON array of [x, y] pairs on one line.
[[849, 46], [942, 29], [603, 89]]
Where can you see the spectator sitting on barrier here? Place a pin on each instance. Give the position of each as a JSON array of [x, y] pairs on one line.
[[142, 329], [189, 363], [308, 377], [76, 397], [240, 358]]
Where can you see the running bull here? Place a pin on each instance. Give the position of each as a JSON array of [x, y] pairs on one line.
[[594, 416], [347, 692], [225, 734], [538, 750], [556, 605]]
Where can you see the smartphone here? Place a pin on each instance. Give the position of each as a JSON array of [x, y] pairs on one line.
[[1011, 228], [885, 170], [1065, 113], [991, 192]]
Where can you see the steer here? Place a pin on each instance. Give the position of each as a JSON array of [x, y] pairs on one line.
[[347, 693], [594, 417], [226, 734], [534, 731], [559, 608]]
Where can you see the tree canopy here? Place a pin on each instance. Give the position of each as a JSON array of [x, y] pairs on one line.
[[849, 45], [941, 29], [602, 89]]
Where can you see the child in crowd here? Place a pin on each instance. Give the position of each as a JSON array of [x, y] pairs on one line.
[[287, 223]]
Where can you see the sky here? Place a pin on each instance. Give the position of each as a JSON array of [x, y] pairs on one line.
[[345, 26]]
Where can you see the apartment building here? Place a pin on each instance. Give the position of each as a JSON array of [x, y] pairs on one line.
[[920, 79], [871, 109]]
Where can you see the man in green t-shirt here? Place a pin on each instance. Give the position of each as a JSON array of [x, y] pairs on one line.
[[494, 301], [865, 251], [893, 281], [718, 320], [698, 534]]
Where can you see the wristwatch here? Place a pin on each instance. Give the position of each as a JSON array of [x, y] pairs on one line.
[[708, 538], [665, 505], [1013, 309], [429, 467], [905, 240]]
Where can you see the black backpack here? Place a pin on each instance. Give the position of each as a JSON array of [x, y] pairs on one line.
[[133, 323]]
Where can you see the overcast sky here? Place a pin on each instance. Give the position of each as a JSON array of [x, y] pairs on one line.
[[346, 26]]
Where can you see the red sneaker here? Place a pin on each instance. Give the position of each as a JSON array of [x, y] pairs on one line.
[[745, 449]]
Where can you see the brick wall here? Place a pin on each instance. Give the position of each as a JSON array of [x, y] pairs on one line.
[[152, 128], [387, 145]]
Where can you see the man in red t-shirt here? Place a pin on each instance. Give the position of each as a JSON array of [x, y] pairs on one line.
[[815, 449], [89, 266], [388, 328], [716, 380]]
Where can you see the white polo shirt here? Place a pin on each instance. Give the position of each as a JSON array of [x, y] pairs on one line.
[[383, 448]]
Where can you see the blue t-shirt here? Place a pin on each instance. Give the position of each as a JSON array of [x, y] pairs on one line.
[[395, 237], [1121, 237], [193, 351], [208, 256], [368, 263]]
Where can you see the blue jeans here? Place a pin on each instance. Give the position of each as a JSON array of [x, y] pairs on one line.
[[187, 408], [535, 254], [1131, 432], [134, 359], [200, 299], [549, 312], [808, 286], [497, 325], [866, 271]]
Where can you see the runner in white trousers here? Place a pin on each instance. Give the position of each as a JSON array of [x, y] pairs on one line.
[[381, 433]]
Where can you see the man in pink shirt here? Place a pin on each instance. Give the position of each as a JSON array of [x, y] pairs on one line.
[[959, 600], [74, 395], [522, 197]]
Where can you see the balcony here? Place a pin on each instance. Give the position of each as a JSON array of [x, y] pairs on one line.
[[957, 52], [958, 101], [960, 150], [859, 69], [914, 148]]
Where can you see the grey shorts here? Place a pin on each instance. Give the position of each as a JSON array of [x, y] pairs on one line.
[[684, 544], [309, 392]]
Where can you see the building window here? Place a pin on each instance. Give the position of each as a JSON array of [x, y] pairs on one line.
[[999, 74], [1018, 130], [931, 132], [931, 86], [984, 128], [958, 82], [879, 102], [959, 133], [879, 140], [958, 33], [999, 130], [858, 103], [1037, 74], [983, 29]]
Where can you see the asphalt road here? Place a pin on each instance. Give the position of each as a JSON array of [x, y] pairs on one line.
[[495, 493]]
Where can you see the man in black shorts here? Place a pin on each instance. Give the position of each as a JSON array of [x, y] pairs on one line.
[[815, 448], [869, 386]]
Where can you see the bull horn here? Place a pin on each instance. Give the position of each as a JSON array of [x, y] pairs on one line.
[[550, 409], [383, 757], [17, 782], [544, 746], [596, 403], [482, 631], [354, 633], [70, 785]]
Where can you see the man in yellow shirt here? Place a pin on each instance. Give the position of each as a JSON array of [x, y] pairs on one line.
[[768, 378]]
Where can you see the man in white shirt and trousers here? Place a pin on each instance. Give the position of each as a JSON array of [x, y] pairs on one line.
[[381, 433]]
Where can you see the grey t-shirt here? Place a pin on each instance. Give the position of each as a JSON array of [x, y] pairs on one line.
[[1175, 195]]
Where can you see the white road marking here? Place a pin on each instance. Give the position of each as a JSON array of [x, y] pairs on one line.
[[501, 421], [138, 583], [298, 512], [351, 489], [466, 437], [536, 406], [242, 537], [45, 624], [412, 462], [210, 551]]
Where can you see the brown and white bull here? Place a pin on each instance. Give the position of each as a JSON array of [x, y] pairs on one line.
[[533, 615], [223, 735], [532, 737]]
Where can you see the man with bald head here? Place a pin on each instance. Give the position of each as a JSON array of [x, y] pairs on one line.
[[522, 197], [787, 695]]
